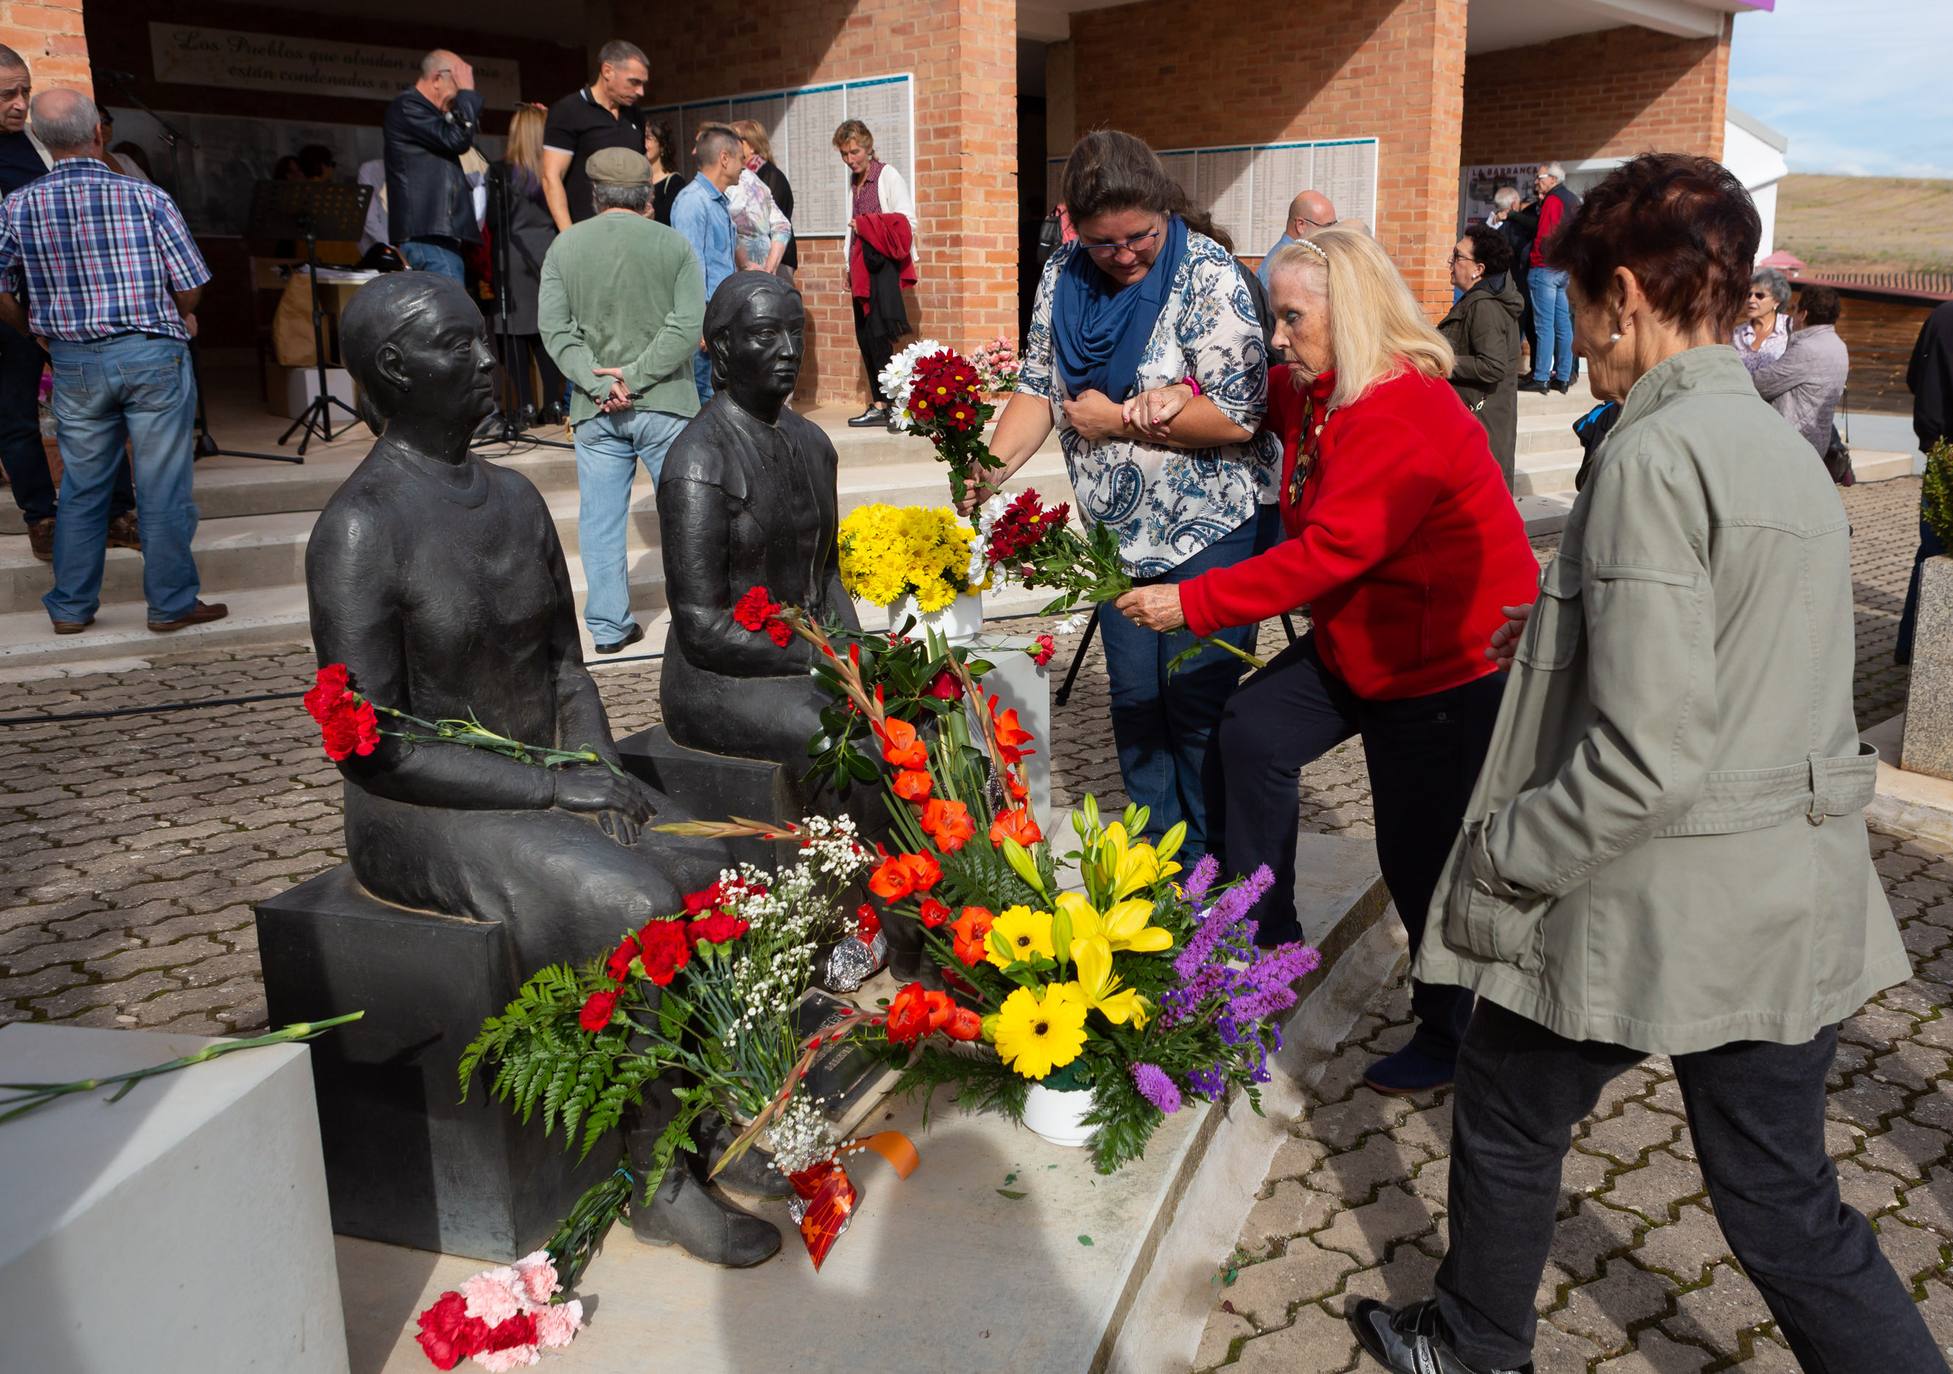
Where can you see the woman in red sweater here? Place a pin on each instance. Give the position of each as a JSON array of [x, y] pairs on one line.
[[1406, 549]]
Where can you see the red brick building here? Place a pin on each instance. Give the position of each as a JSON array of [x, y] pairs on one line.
[[998, 88]]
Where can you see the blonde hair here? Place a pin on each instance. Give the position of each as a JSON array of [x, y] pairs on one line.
[[754, 133], [525, 145], [1375, 327]]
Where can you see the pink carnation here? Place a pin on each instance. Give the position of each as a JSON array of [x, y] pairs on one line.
[[493, 1295], [536, 1277], [515, 1357], [556, 1324]]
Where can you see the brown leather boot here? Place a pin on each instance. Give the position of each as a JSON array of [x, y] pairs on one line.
[[40, 539], [124, 532]]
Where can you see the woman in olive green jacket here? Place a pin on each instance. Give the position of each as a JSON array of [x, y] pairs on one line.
[[1666, 851]]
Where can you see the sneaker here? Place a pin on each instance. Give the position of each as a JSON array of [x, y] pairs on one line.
[[1534, 385], [202, 613], [124, 532], [869, 418], [1410, 1070], [1411, 1340]]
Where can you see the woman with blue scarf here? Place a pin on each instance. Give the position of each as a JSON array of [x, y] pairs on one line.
[[1144, 299]]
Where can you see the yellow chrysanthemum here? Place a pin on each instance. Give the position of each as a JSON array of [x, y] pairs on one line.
[[1019, 935], [1100, 989], [1038, 1034], [888, 552], [1122, 926]]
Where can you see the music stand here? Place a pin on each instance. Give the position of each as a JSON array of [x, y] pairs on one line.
[[311, 210]]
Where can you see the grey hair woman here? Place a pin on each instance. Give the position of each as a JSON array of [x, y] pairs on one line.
[[1765, 329]]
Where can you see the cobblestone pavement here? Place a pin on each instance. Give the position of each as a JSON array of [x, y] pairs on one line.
[[1640, 1280]]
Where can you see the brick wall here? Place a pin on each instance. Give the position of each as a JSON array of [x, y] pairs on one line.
[[962, 54], [1608, 94], [49, 35], [1389, 69]]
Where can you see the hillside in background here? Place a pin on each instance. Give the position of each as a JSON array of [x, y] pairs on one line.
[[1879, 224]]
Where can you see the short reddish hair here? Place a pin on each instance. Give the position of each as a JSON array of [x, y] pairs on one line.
[[1682, 224]]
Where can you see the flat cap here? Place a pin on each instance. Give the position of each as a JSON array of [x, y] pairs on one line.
[[618, 167]]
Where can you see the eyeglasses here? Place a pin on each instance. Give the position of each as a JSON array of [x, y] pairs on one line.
[[1761, 296], [1131, 245], [1457, 257], [1318, 224]]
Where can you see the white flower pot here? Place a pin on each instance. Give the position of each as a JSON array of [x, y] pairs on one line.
[[1057, 1115], [958, 622]]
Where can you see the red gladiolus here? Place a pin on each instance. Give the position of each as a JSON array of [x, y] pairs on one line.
[[720, 928], [1015, 824], [947, 823], [970, 935], [448, 1334], [1046, 649], [900, 744], [665, 950], [913, 784], [963, 1024], [945, 687], [916, 1011], [891, 880], [933, 912], [597, 1010], [619, 966]]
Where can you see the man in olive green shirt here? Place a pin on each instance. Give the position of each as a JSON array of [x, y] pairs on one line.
[[621, 307]]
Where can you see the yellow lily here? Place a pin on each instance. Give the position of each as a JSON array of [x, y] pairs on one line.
[[1098, 986], [1122, 926], [1126, 865]]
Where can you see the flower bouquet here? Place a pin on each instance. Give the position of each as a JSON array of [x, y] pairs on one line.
[[502, 1318], [996, 366], [939, 395], [892, 552]]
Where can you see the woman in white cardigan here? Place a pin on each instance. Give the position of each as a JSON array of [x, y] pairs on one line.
[[882, 265]]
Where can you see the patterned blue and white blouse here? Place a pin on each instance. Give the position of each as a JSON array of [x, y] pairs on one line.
[[1167, 504]]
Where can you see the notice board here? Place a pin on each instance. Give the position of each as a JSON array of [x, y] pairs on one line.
[[1247, 187], [800, 124]]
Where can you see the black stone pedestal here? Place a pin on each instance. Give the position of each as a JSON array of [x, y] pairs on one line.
[[407, 1162], [714, 787]]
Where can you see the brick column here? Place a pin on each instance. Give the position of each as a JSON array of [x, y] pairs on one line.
[[48, 33]]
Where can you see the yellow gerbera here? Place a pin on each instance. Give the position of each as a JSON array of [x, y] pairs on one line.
[[1038, 1034], [1020, 934], [1123, 926], [1098, 987]]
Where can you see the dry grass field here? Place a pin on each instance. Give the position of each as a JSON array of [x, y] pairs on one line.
[[1874, 224]]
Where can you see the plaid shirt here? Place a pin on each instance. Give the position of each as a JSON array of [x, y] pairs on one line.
[[99, 254]]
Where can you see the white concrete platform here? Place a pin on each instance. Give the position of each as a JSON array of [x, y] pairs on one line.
[[943, 1271], [1915, 805]]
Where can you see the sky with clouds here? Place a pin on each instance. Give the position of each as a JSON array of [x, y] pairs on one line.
[[1860, 86]]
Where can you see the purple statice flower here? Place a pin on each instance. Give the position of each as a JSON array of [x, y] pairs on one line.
[[1202, 878], [1156, 1087], [1178, 1004], [1224, 928], [1209, 1083]]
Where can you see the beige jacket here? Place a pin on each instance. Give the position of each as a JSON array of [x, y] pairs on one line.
[[1666, 847]]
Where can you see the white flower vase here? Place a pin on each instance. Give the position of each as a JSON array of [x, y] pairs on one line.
[[1057, 1114], [959, 622]]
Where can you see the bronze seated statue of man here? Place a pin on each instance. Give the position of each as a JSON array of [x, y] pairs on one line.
[[439, 581]]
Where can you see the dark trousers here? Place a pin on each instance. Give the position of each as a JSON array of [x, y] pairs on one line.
[[526, 347], [1423, 755], [21, 452], [876, 349], [1756, 1115], [1929, 547]]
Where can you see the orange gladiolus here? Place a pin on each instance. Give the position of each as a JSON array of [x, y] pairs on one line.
[[933, 913], [913, 784], [904, 875], [948, 823], [1011, 737], [901, 746], [970, 934], [1015, 824]]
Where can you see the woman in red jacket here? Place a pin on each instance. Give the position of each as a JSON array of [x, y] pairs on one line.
[[1406, 548]]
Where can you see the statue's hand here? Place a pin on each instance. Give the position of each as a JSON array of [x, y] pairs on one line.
[[619, 803]]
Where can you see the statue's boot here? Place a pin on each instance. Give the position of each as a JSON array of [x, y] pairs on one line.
[[685, 1210], [908, 957], [752, 1173]]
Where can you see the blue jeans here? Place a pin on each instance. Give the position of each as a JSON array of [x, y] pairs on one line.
[[133, 390], [702, 375], [434, 255], [1552, 323], [1163, 726], [608, 449]]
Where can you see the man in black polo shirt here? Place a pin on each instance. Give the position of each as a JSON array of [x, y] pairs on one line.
[[22, 453], [603, 114]]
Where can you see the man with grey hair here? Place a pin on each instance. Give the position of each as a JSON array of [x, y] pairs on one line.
[[430, 205], [1307, 213], [703, 214], [103, 267], [1517, 224], [1553, 364], [621, 308], [604, 114]]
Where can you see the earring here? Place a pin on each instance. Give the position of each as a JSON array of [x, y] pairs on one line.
[[1615, 337]]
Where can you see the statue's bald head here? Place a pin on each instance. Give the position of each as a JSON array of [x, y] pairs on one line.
[[67, 122], [399, 309]]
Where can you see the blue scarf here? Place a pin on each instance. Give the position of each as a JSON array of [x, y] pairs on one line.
[[1099, 331]]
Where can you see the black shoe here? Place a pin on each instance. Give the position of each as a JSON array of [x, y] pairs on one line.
[[1534, 385], [869, 418], [525, 418], [549, 417], [1409, 1340], [1560, 385], [752, 1173], [636, 633], [687, 1213], [1408, 1071]]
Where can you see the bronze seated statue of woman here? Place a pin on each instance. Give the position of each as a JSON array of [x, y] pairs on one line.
[[439, 581]]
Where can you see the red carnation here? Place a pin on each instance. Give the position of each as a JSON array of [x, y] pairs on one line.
[[1046, 649], [720, 928], [665, 950], [597, 1011], [448, 1334], [619, 966], [705, 899], [779, 631], [350, 727], [511, 1332], [755, 608], [332, 685]]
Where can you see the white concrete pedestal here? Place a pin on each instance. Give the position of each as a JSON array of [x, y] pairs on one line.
[[1018, 682], [182, 1230]]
